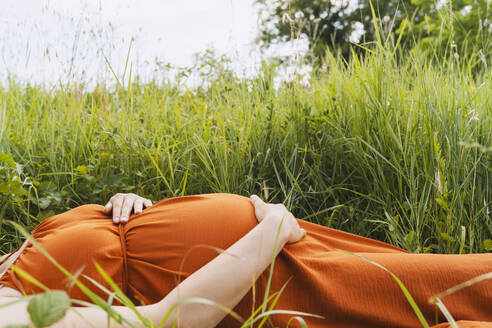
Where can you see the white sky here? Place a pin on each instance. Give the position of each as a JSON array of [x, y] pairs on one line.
[[48, 41]]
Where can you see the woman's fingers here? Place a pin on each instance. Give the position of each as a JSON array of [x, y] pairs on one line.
[[108, 207], [255, 200], [126, 210], [259, 206], [117, 202], [138, 205], [122, 206], [147, 202], [280, 213], [297, 235], [298, 232]]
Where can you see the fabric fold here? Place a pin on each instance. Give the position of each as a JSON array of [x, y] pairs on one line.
[[124, 273]]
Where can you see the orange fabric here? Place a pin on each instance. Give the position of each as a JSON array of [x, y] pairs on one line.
[[144, 256]]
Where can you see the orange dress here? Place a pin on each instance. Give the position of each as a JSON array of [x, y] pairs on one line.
[[146, 258]]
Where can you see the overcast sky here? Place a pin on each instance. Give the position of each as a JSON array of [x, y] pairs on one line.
[[59, 40]]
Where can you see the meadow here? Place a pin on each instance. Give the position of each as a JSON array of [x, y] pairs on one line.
[[396, 149], [392, 146]]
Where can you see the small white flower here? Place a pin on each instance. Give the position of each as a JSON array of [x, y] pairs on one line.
[[466, 10], [286, 19], [299, 15]]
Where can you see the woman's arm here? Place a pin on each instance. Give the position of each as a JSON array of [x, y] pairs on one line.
[[225, 279], [2, 258], [11, 257]]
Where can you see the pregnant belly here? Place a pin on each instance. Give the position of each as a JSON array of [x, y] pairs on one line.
[[146, 257], [177, 236]]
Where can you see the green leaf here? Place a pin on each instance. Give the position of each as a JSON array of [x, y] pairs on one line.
[[427, 249], [45, 214], [4, 188], [47, 308], [442, 203], [7, 159], [112, 180], [409, 237], [12, 188], [81, 169], [446, 237], [44, 202], [17, 189], [487, 244]]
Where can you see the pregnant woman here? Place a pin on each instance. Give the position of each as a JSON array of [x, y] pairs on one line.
[[167, 253]]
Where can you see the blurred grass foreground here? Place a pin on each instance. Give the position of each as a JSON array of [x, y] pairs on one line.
[[389, 145]]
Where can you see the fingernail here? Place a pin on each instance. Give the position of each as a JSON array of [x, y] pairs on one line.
[[116, 220], [124, 219]]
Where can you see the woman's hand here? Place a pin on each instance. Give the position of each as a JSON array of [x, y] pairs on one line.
[[123, 204], [278, 212]]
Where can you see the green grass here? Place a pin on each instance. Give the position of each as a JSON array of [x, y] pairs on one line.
[[390, 147]]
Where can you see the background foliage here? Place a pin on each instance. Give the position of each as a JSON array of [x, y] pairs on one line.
[[390, 145], [462, 27]]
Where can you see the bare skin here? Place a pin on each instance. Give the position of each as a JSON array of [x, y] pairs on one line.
[[224, 280], [122, 204]]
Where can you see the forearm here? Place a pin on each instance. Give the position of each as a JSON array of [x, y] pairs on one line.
[[3, 265], [3, 257], [225, 279], [82, 317], [10, 258]]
